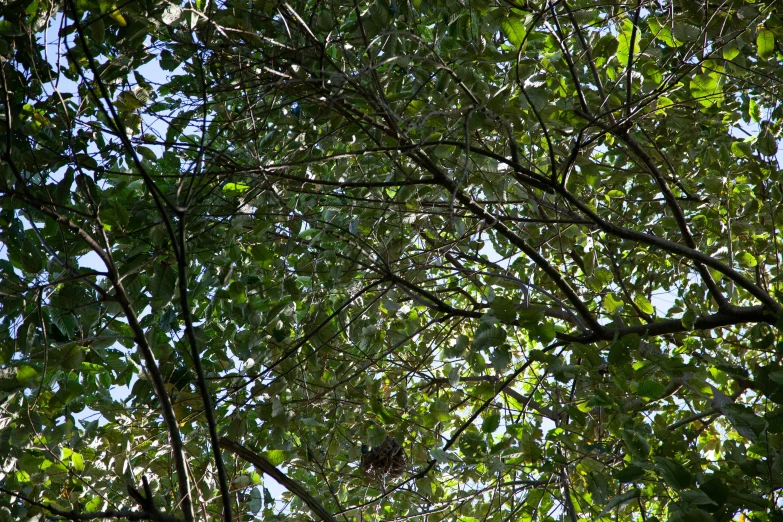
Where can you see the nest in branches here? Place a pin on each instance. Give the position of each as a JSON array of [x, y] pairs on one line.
[[386, 461]]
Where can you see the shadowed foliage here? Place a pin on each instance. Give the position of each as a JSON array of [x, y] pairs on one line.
[[529, 247]]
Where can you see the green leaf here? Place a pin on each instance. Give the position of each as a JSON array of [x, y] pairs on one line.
[[162, 285], [765, 43], [383, 414], [619, 500], [127, 101], [754, 110], [606, 47], [472, 445], [650, 389], [697, 498], [476, 361], [237, 292], [69, 357], [630, 474], [376, 435], [684, 33], [716, 490], [662, 103], [77, 461], [32, 9], [30, 463], [275, 457], [454, 375], [146, 153], [443, 456], [643, 304], [689, 318], [742, 149], [730, 50], [490, 423], [748, 501], [637, 444], [488, 337], [706, 89], [673, 473], [662, 33], [747, 423], [93, 504], [256, 501], [9, 29], [766, 143], [500, 358], [235, 188], [624, 44], [611, 304], [26, 374], [64, 321], [515, 31], [459, 346], [545, 332], [504, 309], [746, 259], [120, 214]]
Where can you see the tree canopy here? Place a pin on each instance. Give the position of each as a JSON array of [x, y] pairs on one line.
[[535, 241]]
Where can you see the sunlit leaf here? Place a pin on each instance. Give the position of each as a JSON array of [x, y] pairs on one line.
[[765, 43], [514, 29]]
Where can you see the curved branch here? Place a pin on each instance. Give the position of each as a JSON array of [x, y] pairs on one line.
[[267, 467]]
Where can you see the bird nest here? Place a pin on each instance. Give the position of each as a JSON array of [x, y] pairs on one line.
[[385, 461]]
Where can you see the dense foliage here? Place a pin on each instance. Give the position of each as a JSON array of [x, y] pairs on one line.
[[536, 242]]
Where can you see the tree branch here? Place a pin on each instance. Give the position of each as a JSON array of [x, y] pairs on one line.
[[267, 467]]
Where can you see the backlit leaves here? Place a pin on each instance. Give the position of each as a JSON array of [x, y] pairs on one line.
[[514, 29], [537, 248], [706, 89], [765, 42]]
